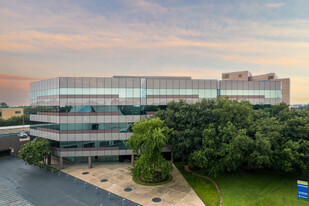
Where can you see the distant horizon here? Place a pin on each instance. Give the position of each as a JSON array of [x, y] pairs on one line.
[[47, 39]]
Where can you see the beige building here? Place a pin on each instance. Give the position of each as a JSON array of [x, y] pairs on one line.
[[270, 77], [7, 113]]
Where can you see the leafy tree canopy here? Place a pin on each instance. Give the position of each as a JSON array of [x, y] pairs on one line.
[[3, 105], [149, 136], [227, 135], [35, 151], [15, 121]]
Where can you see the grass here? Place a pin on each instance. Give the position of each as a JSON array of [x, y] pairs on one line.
[[170, 177], [259, 188], [204, 188]]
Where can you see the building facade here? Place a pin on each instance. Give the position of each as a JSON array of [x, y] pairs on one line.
[[90, 118], [246, 76], [7, 113]]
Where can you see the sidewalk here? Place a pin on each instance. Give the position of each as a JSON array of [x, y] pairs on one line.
[[177, 192]]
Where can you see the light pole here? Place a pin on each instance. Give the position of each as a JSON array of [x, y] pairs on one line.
[[23, 123]]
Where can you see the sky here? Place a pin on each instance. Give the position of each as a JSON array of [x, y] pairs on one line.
[[197, 38]]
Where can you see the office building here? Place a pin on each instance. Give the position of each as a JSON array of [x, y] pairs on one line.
[[90, 118], [259, 84]]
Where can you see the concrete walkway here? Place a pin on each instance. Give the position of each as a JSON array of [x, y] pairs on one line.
[[209, 179], [177, 192]]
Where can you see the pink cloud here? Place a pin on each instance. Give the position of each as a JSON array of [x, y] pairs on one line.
[[16, 77], [14, 96], [21, 82], [274, 5], [278, 61], [194, 73]]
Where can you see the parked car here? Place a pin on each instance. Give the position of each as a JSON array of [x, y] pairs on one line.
[[22, 135]]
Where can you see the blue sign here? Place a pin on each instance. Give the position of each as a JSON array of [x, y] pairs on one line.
[[302, 189]]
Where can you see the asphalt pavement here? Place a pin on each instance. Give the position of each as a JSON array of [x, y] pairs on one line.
[[41, 187]]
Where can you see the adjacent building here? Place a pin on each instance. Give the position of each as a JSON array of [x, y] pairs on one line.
[[90, 118], [260, 85], [7, 113]]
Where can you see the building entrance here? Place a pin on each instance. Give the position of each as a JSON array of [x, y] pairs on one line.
[[5, 153]]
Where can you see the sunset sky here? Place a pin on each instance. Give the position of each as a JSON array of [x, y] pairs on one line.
[[45, 39]]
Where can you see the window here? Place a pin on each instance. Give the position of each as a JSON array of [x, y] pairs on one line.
[[17, 112], [95, 127], [226, 76], [240, 75], [104, 144], [88, 145], [72, 146], [270, 77]]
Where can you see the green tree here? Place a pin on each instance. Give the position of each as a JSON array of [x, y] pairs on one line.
[[188, 122], [149, 136], [15, 121], [225, 148], [36, 150], [226, 135], [3, 105]]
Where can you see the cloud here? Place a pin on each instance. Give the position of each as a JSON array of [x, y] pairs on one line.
[[17, 77], [300, 100], [299, 86], [195, 73], [42, 42], [19, 82], [151, 37], [274, 5], [14, 96], [277, 61], [259, 71]]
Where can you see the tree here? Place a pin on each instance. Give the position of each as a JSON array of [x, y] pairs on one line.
[[226, 135], [225, 148], [15, 121], [3, 105], [34, 151], [188, 122], [149, 136]]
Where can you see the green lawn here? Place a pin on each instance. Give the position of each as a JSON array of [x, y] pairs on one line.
[[205, 189], [259, 188], [256, 188]]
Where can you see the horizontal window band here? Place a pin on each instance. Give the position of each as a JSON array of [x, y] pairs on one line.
[[80, 96], [85, 149], [172, 96], [79, 113], [90, 96], [117, 93], [88, 113], [267, 93], [78, 131], [48, 97], [244, 96], [88, 110]]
